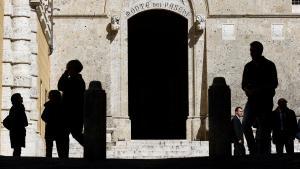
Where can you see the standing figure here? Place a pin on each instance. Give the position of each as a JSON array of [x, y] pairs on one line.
[[73, 86], [19, 121], [238, 135], [284, 127], [259, 83], [55, 129]]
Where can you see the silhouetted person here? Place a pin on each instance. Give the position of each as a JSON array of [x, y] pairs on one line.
[[55, 129], [259, 83], [238, 135], [19, 121], [284, 127], [73, 86]]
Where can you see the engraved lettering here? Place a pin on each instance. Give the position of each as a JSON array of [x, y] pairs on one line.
[[175, 7], [127, 13], [137, 8], [142, 6], [171, 6], [180, 9], [132, 10], [147, 5], [166, 5], [154, 5]]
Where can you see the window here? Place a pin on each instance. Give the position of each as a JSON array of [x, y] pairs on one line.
[[228, 32], [277, 31], [295, 6], [296, 2]]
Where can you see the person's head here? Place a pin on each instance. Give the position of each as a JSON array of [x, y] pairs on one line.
[[239, 111], [16, 99], [256, 50], [282, 103], [54, 95], [74, 67]]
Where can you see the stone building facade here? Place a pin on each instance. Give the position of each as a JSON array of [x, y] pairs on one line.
[[161, 51]]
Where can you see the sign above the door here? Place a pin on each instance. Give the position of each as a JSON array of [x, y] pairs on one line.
[[178, 6]]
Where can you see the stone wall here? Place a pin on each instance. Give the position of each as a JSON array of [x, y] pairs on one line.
[[227, 57], [253, 7], [20, 70], [43, 81], [1, 46]]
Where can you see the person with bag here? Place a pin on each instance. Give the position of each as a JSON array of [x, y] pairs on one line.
[[18, 122], [7, 122]]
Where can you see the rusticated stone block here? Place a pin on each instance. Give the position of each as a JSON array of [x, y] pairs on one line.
[[7, 77]]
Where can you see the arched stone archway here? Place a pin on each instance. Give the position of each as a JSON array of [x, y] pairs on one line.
[[158, 75], [120, 91]]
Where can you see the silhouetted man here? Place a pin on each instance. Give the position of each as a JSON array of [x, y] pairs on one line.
[[259, 83], [238, 135], [73, 86], [284, 127]]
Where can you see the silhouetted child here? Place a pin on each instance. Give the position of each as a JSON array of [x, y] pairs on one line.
[[19, 121], [55, 129]]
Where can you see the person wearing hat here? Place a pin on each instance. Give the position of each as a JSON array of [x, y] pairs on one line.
[[284, 127]]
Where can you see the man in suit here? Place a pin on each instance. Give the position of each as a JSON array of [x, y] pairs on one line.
[[284, 127], [238, 136]]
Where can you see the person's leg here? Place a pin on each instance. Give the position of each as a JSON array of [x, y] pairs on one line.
[[263, 134], [77, 134], [248, 121], [289, 146], [62, 145], [49, 147], [279, 148], [17, 152], [239, 149]]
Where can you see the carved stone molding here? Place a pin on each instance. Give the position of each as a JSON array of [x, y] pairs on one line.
[[34, 3], [44, 10]]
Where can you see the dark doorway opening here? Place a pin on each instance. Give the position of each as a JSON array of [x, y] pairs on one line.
[[158, 75]]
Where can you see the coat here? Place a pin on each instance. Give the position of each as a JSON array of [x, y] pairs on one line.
[[288, 129], [54, 119], [73, 89], [237, 130], [19, 121]]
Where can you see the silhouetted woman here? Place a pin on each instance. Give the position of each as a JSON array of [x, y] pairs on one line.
[[19, 121]]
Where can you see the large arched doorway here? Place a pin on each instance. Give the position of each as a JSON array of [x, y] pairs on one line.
[[158, 75]]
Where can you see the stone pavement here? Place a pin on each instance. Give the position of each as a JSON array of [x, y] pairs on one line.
[[247, 162]]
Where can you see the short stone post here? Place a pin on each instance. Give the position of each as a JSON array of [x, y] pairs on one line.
[[219, 118], [95, 122]]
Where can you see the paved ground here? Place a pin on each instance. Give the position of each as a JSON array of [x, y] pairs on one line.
[[247, 162]]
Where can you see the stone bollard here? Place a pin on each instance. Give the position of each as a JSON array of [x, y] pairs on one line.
[[95, 122], [219, 118]]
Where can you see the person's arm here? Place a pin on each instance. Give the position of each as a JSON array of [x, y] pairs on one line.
[[237, 130], [244, 79], [45, 115], [294, 122], [62, 81], [274, 79]]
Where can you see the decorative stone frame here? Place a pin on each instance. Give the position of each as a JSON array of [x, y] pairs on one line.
[[119, 96]]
